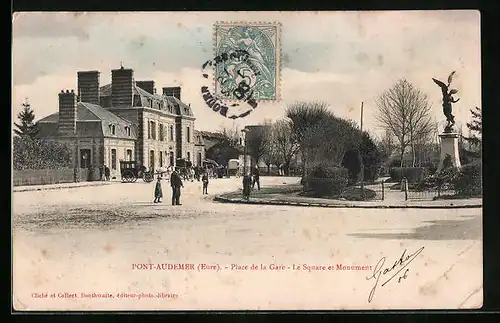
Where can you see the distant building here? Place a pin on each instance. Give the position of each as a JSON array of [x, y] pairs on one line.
[[124, 120], [219, 149]]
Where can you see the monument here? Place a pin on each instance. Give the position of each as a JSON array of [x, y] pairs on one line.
[[449, 137]]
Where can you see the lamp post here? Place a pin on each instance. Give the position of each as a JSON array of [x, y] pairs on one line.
[[244, 132], [361, 156]]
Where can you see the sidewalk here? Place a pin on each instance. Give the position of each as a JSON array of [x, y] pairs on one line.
[[391, 203], [29, 188]]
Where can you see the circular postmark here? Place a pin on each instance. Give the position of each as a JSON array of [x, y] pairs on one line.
[[234, 78]]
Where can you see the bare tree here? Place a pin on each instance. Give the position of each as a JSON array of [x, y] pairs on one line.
[[284, 144], [386, 144], [230, 135], [257, 140], [404, 112]]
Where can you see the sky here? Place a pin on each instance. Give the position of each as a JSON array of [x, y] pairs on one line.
[[341, 58]]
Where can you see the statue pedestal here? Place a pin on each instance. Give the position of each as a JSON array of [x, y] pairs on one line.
[[449, 146]]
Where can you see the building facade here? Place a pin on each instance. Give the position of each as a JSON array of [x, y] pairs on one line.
[[124, 120]]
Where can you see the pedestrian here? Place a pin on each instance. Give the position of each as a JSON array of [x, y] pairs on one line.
[[107, 172], [192, 174], [204, 179], [101, 173], [256, 177], [246, 186], [176, 184], [158, 191]]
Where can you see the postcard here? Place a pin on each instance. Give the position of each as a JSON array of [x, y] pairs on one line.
[[246, 160]]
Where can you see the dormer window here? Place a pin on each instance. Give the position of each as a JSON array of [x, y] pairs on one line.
[[127, 130], [112, 129]]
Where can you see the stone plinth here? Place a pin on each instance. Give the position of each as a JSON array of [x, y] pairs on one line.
[[449, 146]]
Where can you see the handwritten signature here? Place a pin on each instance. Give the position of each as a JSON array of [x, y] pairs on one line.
[[398, 266]]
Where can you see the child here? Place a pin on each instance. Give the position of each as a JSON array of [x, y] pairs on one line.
[[158, 191], [204, 179]]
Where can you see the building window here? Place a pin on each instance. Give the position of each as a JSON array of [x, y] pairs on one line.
[[129, 155], [161, 131], [172, 160], [188, 134], [161, 158], [171, 133], [113, 159], [199, 159], [151, 160], [127, 130], [112, 129], [188, 156], [152, 130]]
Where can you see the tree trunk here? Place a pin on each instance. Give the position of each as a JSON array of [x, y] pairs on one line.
[[413, 156], [402, 154], [268, 169]]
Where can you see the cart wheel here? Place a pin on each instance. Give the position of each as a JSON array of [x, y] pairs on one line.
[[147, 177], [128, 176]]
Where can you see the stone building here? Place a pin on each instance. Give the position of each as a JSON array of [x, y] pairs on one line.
[[124, 120]]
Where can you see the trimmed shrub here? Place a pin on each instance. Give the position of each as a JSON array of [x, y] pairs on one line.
[[28, 153], [412, 174], [468, 180], [356, 194], [327, 181]]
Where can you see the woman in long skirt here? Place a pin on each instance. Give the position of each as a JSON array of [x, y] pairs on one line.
[[158, 191]]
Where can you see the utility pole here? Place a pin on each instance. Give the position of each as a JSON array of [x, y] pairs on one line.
[[361, 156]]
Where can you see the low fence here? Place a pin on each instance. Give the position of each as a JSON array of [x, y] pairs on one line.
[[54, 176], [375, 188], [428, 194]]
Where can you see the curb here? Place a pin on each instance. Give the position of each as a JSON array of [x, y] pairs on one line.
[[57, 187], [324, 205]]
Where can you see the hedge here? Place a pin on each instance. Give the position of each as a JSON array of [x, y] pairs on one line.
[[412, 174], [468, 181], [327, 181]]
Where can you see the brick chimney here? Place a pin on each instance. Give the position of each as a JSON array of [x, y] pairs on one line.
[[122, 81], [148, 86], [88, 87], [67, 112], [172, 91]]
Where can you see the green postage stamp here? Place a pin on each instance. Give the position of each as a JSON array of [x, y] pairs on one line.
[[249, 61]]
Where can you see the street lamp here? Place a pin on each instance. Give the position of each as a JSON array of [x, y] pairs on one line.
[[244, 132]]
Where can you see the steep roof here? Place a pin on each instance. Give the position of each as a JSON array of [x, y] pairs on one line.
[[168, 103], [91, 120]]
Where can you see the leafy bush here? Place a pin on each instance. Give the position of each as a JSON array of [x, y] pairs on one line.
[[39, 154], [412, 174], [356, 194], [431, 167], [327, 181], [468, 180]]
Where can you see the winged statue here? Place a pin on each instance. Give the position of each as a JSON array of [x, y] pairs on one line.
[[448, 100]]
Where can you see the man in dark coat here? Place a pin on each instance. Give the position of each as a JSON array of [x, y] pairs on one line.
[[107, 173], [158, 191], [176, 183], [204, 179], [256, 177]]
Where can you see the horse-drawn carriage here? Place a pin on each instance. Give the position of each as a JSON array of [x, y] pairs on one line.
[[131, 171], [184, 166]]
